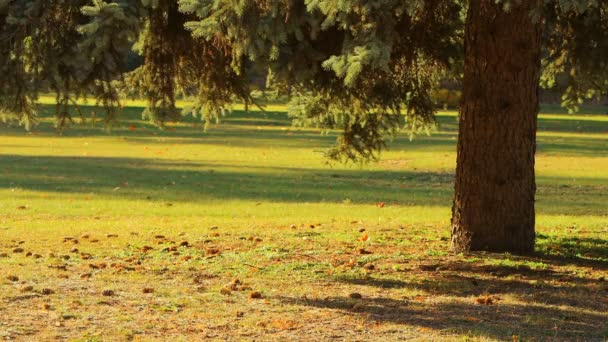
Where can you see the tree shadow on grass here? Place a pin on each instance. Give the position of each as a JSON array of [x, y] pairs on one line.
[[543, 302], [197, 181], [158, 180], [544, 296], [500, 321], [580, 251]]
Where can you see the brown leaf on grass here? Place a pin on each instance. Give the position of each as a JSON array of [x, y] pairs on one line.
[[420, 298], [284, 324], [27, 288], [3, 255], [363, 251], [22, 207], [146, 249], [255, 295], [86, 256], [13, 278], [112, 235], [159, 236], [355, 295], [18, 250], [212, 251], [147, 290], [107, 293], [351, 263], [364, 237], [47, 291], [487, 300], [61, 267]]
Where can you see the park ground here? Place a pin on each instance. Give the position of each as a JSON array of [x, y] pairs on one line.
[[244, 232]]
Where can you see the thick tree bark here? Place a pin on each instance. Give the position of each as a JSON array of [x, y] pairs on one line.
[[493, 205]]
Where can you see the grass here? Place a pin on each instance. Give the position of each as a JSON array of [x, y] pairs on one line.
[[255, 201]]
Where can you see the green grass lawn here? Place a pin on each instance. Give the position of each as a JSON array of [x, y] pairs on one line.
[[253, 199]]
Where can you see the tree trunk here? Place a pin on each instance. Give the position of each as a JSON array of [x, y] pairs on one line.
[[493, 207]]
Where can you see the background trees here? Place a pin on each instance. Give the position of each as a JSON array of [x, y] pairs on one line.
[[353, 65]]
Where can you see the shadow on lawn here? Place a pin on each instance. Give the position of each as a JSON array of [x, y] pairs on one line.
[[190, 181], [501, 322], [559, 304], [177, 181]]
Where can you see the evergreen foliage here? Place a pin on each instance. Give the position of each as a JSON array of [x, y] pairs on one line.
[[366, 67]]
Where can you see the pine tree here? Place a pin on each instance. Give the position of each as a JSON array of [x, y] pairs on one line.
[[366, 68]]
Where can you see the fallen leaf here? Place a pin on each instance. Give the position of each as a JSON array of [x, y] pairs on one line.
[[107, 293], [363, 251], [420, 298], [47, 292], [27, 288], [255, 295], [485, 300]]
